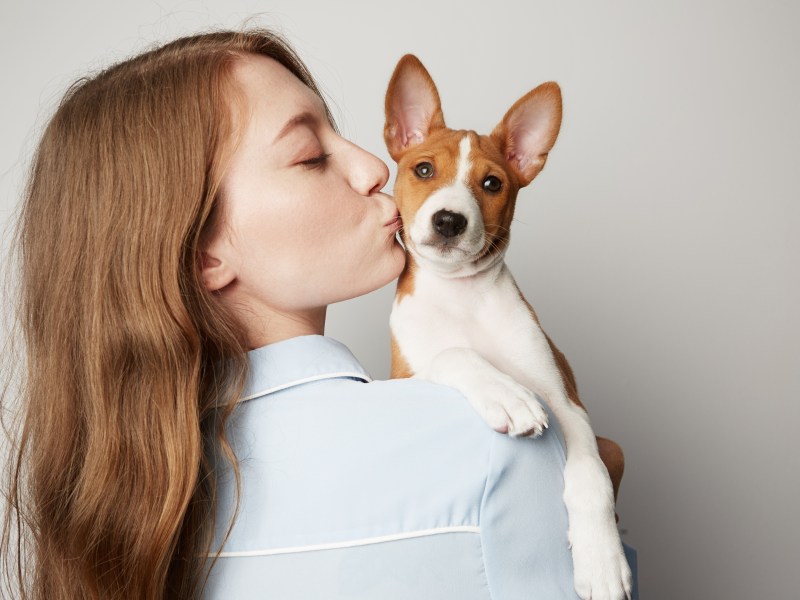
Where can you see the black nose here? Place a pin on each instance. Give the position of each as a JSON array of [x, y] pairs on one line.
[[449, 224]]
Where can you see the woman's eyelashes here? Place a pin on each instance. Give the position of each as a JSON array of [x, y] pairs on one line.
[[316, 162]]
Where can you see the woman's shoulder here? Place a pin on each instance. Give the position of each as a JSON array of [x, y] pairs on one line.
[[343, 462], [364, 431], [402, 421], [393, 411], [339, 459], [385, 455]]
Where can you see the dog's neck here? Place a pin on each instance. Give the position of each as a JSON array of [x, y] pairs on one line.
[[487, 267]]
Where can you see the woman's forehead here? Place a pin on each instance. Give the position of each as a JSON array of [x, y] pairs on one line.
[[272, 93]]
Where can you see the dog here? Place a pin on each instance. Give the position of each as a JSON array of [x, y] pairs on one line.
[[459, 318]]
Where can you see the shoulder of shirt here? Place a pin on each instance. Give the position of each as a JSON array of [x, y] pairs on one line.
[[389, 457]]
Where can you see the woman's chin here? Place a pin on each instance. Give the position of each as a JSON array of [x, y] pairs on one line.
[[399, 255], [392, 265]]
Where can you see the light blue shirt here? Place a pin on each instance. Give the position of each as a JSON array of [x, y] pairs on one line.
[[382, 490]]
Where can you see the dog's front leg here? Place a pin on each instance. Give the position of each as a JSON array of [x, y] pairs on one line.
[[601, 570], [504, 404]]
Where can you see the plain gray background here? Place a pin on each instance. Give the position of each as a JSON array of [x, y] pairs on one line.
[[659, 246]]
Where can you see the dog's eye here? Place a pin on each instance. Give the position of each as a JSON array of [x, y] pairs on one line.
[[492, 184], [424, 170]]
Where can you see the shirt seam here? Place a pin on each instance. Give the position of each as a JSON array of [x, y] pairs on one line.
[[294, 382], [347, 543], [480, 514]]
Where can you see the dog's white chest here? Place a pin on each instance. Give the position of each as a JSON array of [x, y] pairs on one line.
[[486, 315]]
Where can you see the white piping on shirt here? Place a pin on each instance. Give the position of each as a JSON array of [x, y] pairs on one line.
[[349, 543], [283, 386]]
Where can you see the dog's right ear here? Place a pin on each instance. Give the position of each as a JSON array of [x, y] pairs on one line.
[[413, 109], [528, 131]]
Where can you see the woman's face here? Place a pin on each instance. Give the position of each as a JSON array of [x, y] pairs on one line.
[[304, 223]]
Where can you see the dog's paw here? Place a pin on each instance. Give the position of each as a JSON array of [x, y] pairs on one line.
[[508, 407], [601, 571], [600, 567]]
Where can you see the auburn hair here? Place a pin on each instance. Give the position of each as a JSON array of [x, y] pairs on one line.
[[127, 369]]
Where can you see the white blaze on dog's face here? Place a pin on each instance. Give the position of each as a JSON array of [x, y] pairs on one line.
[[456, 190], [456, 196]]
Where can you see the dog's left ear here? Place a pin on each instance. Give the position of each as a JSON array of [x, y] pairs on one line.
[[529, 129], [413, 108]]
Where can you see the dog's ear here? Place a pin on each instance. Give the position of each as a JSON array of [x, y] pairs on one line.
[[529, 129], [413, 109]]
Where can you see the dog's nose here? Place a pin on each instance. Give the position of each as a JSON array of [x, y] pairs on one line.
[[449, 224]]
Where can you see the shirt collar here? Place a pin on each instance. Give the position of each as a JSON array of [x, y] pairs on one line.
[[297, 360]]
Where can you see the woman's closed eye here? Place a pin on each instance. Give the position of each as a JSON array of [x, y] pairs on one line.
[[316, 162]]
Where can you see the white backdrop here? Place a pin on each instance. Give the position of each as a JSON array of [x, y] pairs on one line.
[[659, 246]]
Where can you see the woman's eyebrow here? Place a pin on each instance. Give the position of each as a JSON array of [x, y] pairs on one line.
[[304, 118]]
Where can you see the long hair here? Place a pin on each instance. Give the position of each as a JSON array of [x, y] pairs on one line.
[[130, 368]]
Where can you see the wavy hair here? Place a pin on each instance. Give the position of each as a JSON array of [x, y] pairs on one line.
[[129, 368]]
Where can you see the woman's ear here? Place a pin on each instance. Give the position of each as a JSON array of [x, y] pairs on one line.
[[215, 272]]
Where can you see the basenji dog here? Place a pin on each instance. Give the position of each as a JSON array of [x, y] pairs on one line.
[[458, 316]]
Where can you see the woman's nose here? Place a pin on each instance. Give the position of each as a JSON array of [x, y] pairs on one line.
[[368, 173]]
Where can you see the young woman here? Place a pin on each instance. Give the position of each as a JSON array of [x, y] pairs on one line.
[[187, 428]]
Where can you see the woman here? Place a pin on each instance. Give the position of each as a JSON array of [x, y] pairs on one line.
[[190, 214]]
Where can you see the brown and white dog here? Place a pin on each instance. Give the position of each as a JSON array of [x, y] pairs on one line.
[[459, 318]]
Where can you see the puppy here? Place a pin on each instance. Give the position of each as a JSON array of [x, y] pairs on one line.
[[459, 317]]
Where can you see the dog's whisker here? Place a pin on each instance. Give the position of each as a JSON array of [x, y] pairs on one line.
[[492, 245]]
